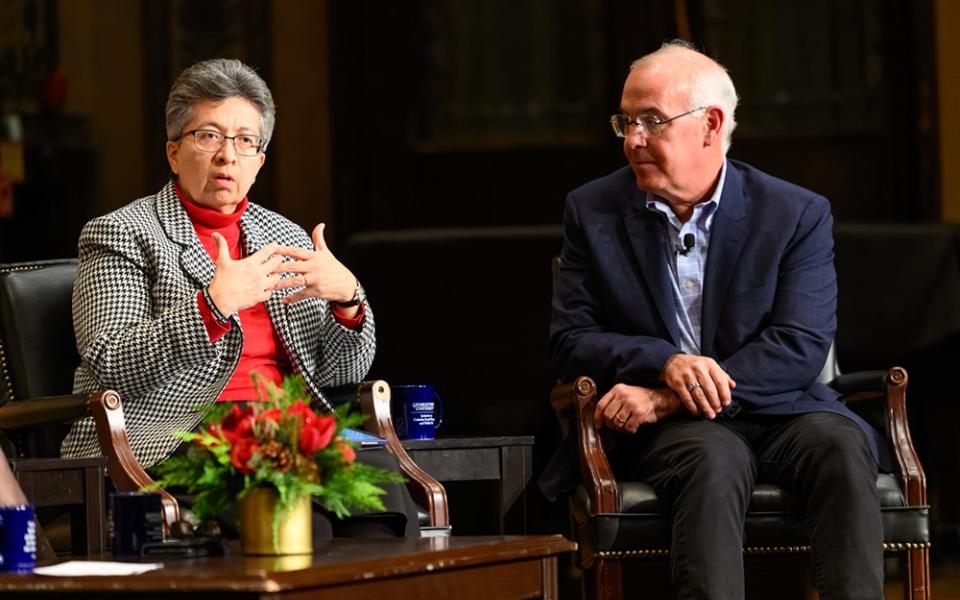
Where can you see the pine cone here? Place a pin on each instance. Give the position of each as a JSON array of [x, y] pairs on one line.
[[308, 469], [280, 457]]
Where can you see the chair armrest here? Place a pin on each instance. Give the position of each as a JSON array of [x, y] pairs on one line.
[[580, 398], [42, 411], [125, 471], [891, 386], [374, 397], [913, 481], [860, 382]]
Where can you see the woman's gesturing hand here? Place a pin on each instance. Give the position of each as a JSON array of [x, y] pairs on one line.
[[240, 284], [319, 272]]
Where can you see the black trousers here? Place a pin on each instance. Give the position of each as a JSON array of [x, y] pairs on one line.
[[708, 469]]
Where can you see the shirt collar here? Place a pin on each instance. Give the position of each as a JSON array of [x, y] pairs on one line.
[[703, 212]]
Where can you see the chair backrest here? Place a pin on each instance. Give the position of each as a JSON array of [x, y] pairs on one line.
[[36, 325], [38, 352]]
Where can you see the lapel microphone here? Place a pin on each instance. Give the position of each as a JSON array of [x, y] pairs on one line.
[[688, 243]]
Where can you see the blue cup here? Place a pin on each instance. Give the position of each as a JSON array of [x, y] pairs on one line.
[[18, 539], [417, 411], [136, 519]]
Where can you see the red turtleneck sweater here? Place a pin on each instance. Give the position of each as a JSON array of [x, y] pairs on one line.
[[263, 351]]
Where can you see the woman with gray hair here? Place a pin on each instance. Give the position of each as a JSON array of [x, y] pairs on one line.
[[182, 295]]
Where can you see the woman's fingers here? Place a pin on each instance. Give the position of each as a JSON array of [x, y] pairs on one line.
[[290, 282], [295, 253], [223, 251], [263, 253], [319, 243]]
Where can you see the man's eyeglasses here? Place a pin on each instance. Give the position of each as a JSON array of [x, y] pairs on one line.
[[650, 125], [207, 140]]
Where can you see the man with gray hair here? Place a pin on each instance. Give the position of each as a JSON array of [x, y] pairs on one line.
[[700, 294]]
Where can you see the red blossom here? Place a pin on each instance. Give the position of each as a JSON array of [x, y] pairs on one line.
[[241, 453], [349, 454], [303, 409], [271, 414], [237, 424], [316, 435]]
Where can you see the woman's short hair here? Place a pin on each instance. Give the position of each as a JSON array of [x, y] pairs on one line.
[[218, 79]]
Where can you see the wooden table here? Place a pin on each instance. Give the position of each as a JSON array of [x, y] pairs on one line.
[[505, 459], [484, 568], [73, 482]]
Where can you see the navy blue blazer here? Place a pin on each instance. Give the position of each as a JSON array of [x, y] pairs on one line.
[[769, 294]]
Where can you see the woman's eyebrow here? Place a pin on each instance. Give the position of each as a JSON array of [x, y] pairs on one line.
[[218, 127]]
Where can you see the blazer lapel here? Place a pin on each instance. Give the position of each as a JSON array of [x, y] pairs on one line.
[[647, 236], [194, 259], [727, 236], [254, 239]]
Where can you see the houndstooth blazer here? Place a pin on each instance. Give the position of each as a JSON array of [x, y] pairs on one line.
[[139, 329]]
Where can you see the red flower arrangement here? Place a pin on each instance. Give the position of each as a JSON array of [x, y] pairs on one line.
[[278, 442], [239, 429]]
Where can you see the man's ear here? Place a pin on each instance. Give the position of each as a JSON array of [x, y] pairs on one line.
[[173, 156], [713, 126]]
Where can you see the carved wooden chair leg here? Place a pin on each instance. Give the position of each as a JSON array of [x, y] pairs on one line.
[[916, 585], [609, 580], [588, 583]]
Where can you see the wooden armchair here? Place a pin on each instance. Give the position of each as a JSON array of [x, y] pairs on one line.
[[37, 359], [620, 520]]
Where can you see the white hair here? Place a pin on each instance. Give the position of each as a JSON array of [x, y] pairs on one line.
[[710, 86]]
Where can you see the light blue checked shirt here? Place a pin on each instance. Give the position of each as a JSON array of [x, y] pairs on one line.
[[686, 271]]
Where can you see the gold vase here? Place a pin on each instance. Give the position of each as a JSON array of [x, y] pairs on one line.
[[295, 534]]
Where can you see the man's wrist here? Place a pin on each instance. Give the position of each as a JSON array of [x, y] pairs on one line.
[[666, 403], [666, 363]]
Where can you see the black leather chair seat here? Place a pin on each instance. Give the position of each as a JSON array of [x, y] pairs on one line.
[[774, 525]]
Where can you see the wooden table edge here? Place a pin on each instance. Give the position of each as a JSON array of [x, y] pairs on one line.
[[490, 550]]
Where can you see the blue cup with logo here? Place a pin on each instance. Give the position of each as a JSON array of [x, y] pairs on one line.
[[18, 539], [417, 411]]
